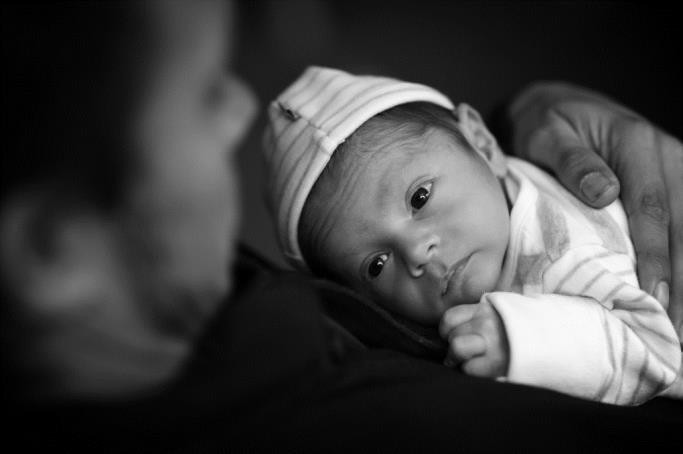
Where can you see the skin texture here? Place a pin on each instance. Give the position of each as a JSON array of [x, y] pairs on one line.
[[367, 216]]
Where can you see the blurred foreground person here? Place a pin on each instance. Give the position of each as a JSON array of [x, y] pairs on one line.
[[118, 235], [120, 207]]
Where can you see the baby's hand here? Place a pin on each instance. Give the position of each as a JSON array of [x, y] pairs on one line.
[[476, 339]]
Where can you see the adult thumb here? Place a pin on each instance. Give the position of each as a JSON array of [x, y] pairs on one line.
[[583, 172]]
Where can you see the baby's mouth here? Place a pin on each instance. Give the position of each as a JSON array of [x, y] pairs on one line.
[[454, 275]]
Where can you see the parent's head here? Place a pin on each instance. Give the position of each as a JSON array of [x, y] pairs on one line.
[[119, 208]]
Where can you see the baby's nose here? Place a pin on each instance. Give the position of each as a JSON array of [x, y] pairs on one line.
[[419, 252]]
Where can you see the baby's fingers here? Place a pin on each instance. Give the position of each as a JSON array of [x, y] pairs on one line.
[[456, 316], [467, 347], [481, 366]]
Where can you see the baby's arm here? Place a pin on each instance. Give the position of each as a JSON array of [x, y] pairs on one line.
[[623, 350]]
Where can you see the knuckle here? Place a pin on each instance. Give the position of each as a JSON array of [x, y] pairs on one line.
[[535, 140], [447, 320], [456, 345], [652, 203], [636, 127], [567, 115], [656, 262], [551, 123], [563, 110], [573, 160]]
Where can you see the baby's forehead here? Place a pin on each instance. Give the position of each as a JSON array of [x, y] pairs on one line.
[[377, 168], [389, 150]]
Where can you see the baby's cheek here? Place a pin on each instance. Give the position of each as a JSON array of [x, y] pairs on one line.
[[416, 301], [390, 294], [482, 278]]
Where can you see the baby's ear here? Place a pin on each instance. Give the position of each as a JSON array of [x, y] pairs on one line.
[[481, 139]]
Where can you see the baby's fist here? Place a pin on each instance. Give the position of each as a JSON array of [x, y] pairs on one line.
[[476, 339]]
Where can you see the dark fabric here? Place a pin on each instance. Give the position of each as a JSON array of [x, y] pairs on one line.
[[272, 373], [360, 317]]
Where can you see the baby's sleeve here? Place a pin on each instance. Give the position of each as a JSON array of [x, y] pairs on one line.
[[593, 333]]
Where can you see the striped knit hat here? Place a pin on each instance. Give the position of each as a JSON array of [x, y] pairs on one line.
[[307, 123]]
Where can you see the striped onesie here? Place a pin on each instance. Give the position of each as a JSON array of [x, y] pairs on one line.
[[575, 317]]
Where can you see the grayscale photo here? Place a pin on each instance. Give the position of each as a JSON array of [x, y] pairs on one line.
[[342, 226]]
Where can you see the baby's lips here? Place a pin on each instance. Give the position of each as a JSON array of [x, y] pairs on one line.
[[454, 277]]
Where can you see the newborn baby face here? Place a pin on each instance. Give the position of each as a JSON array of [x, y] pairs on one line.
[[420, 226]]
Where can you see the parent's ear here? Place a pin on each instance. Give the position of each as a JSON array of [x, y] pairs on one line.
[[51, 252], [481, 139]]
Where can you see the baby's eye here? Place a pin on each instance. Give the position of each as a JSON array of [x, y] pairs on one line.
[[376, 265], [420, 196]]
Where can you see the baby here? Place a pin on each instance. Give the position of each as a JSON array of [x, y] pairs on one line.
[[387, 187]]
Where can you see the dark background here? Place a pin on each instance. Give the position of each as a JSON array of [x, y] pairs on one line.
[[478, 52]]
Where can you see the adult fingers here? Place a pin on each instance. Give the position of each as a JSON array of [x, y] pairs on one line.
[[645, 198], [559, 146], [456, 316], [673, 167]]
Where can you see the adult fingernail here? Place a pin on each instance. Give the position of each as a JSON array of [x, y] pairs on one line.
[[662, 294], [594, 185]]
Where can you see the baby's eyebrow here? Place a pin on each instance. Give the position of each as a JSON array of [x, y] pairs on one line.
[[351, 256], [387, 183], [384, 191]]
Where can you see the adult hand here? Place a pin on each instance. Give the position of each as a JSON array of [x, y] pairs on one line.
[[476, 339], [595, 146]]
